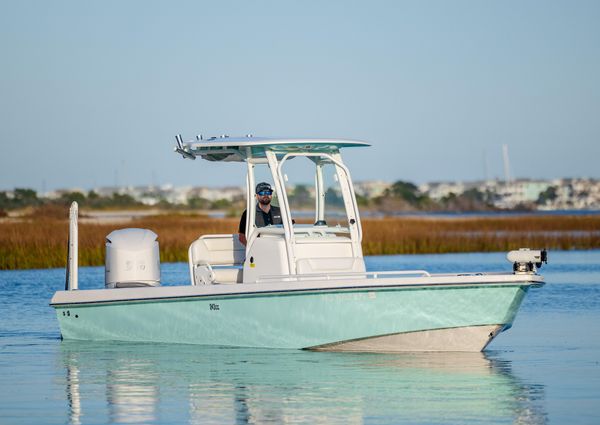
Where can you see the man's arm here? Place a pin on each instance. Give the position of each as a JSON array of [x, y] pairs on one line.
[[242, 229]]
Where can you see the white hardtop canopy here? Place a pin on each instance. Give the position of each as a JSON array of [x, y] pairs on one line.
[[240, 149]]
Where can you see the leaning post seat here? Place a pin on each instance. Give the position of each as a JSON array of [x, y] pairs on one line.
[[216, 259]]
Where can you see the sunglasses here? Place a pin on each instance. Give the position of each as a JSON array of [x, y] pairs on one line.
[[265, 192]]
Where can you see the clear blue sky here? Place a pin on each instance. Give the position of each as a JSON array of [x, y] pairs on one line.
[[93, 93]]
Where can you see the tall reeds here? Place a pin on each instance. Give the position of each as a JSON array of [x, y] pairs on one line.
[[420, 235], [42, 242]]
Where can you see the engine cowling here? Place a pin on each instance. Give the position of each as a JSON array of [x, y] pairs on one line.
[[132, 259]]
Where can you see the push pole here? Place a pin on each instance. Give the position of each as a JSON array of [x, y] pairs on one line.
[[72, 249]]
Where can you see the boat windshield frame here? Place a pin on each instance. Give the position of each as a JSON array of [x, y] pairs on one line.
[[348, 195]]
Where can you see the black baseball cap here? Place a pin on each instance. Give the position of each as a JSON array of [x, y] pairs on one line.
[[263, 186]]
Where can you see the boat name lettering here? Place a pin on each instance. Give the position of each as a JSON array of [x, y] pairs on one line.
[[214, 306]]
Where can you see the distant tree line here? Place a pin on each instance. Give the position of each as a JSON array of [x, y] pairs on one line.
[[23, 198], [406, 196], [400, 196]]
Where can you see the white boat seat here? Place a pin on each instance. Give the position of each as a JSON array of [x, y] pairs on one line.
[[228, 275], [204, 275], [210, 251]]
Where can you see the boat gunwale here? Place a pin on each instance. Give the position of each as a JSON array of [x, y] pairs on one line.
[[288, 291]]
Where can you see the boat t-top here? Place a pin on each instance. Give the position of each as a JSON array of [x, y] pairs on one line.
[[301, 284]]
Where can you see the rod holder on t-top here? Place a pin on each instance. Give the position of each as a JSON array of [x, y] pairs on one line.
[[72, 250], [180, 149]]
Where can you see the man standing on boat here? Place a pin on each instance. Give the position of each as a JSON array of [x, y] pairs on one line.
[[266, 214]]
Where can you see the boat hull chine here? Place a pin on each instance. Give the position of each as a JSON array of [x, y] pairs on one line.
[[466, 338]]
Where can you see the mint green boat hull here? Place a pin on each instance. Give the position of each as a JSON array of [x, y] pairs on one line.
[[305, 319]]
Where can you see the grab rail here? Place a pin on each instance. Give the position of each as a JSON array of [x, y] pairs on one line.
[[341, 275]]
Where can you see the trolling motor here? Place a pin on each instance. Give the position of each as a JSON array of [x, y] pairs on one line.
[[526, 260]]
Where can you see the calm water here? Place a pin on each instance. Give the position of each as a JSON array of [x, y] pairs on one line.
[[544, 370]]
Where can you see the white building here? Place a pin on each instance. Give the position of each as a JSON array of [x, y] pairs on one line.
[[371, 188], [517, 192]]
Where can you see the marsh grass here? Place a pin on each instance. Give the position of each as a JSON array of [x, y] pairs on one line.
[[42, 242], [422, 235]]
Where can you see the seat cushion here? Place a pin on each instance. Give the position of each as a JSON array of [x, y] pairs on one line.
[[228, 275]]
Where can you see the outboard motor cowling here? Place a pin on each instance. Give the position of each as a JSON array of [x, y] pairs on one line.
[[132, 259]]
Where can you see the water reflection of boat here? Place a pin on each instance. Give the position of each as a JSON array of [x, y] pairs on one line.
[[141, 383]]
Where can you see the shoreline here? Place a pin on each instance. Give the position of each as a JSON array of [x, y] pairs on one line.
[[40, 243]]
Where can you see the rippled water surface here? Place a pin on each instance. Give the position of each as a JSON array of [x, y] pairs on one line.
[[544, 370]]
